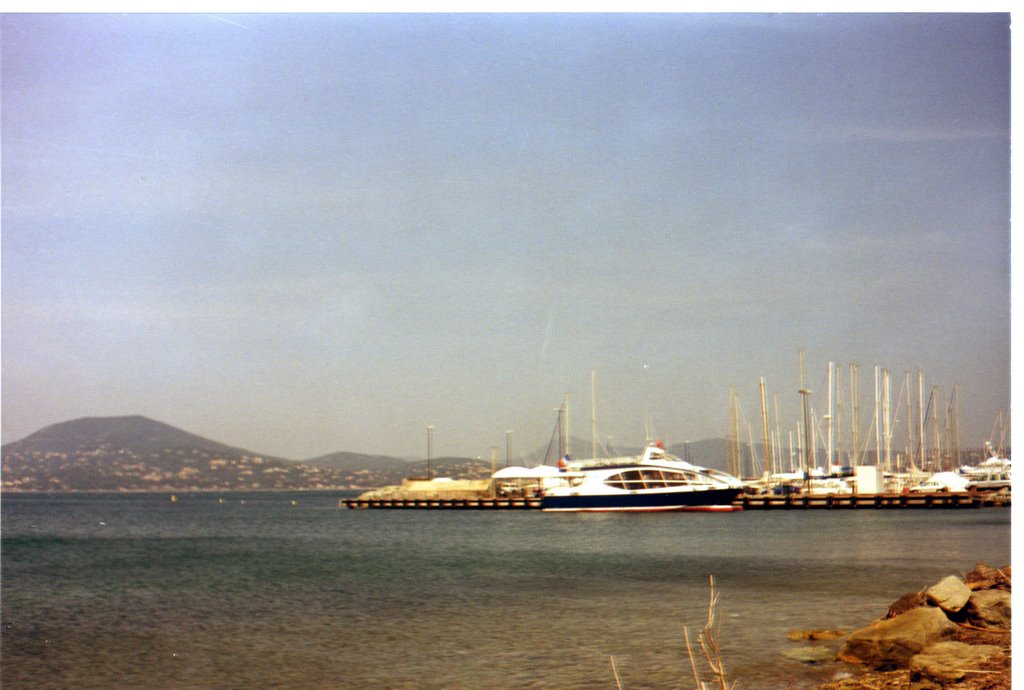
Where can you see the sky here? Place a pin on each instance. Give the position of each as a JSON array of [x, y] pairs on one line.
[[309, 233]]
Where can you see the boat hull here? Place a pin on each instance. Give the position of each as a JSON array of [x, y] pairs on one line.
[[711, 500]]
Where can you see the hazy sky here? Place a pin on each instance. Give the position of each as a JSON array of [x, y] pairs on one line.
[[308, 233]]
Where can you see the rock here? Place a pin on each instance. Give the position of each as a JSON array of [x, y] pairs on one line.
[[950, 660], [798, 635], [990, 608], [985, 577], [905, 603], [810, 655], [892, 642], [950, 594]]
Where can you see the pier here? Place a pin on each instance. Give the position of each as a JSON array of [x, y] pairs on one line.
[[444, 503], [937, 500], [889, 501]]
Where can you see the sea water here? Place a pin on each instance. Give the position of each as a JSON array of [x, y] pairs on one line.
[[275, 590]]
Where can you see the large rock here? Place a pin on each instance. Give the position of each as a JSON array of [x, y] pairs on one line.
[[905, 603], [950, 594], [986, 577], [990, 608], [892, 642], [950, 660]]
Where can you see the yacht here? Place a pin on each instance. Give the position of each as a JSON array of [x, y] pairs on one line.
[[652, 481], [992, 475]]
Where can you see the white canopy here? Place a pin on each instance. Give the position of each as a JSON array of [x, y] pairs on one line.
[[526, 472]]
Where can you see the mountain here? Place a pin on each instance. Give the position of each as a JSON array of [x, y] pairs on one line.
[[140, 434], [357, 461], [139, 454], [135, 453]]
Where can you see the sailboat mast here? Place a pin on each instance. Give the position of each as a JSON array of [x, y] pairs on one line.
[[887, 417], [778, 435], [430, 451], [764, 426], [808, 438], [878, 428], [920, 416], [830, 417], [854, 395], [733, 441], [956, 424], [568, 442], [839, 416], [593, 414]]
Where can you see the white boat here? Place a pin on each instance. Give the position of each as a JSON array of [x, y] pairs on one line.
[[992, 475], [652, 481]]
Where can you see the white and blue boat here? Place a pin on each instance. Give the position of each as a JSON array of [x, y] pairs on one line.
[[652, 481]]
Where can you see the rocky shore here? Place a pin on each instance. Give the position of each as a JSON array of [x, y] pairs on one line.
[[952, 634]]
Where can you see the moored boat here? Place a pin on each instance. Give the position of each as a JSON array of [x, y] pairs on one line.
[[994, 474], [652, 481]]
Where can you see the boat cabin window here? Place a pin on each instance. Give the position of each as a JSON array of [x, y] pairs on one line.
[[630, 480], [678, 478], [653, 479], [634, 480]]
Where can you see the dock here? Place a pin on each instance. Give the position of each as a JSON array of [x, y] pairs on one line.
[[444, 503], [936, 500], [888, 501]]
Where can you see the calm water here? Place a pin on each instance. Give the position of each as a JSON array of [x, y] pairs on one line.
[[137, 591]]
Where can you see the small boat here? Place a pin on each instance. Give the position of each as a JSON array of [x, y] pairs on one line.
[[652, 481]]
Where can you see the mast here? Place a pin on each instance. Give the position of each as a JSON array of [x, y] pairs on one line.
[[734, 437], [839, 417], [801, 456], [508, 448], [953, 427], [764, 426], [921, 417], [910, 422], [854, 395], [956, 424], [829, 417], [887, 418], [878, 428], [808, 438], [778, 435], [430, 451], [593, 414], [565, 420]]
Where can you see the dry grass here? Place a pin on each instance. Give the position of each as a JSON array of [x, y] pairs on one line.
[[708, 641]]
